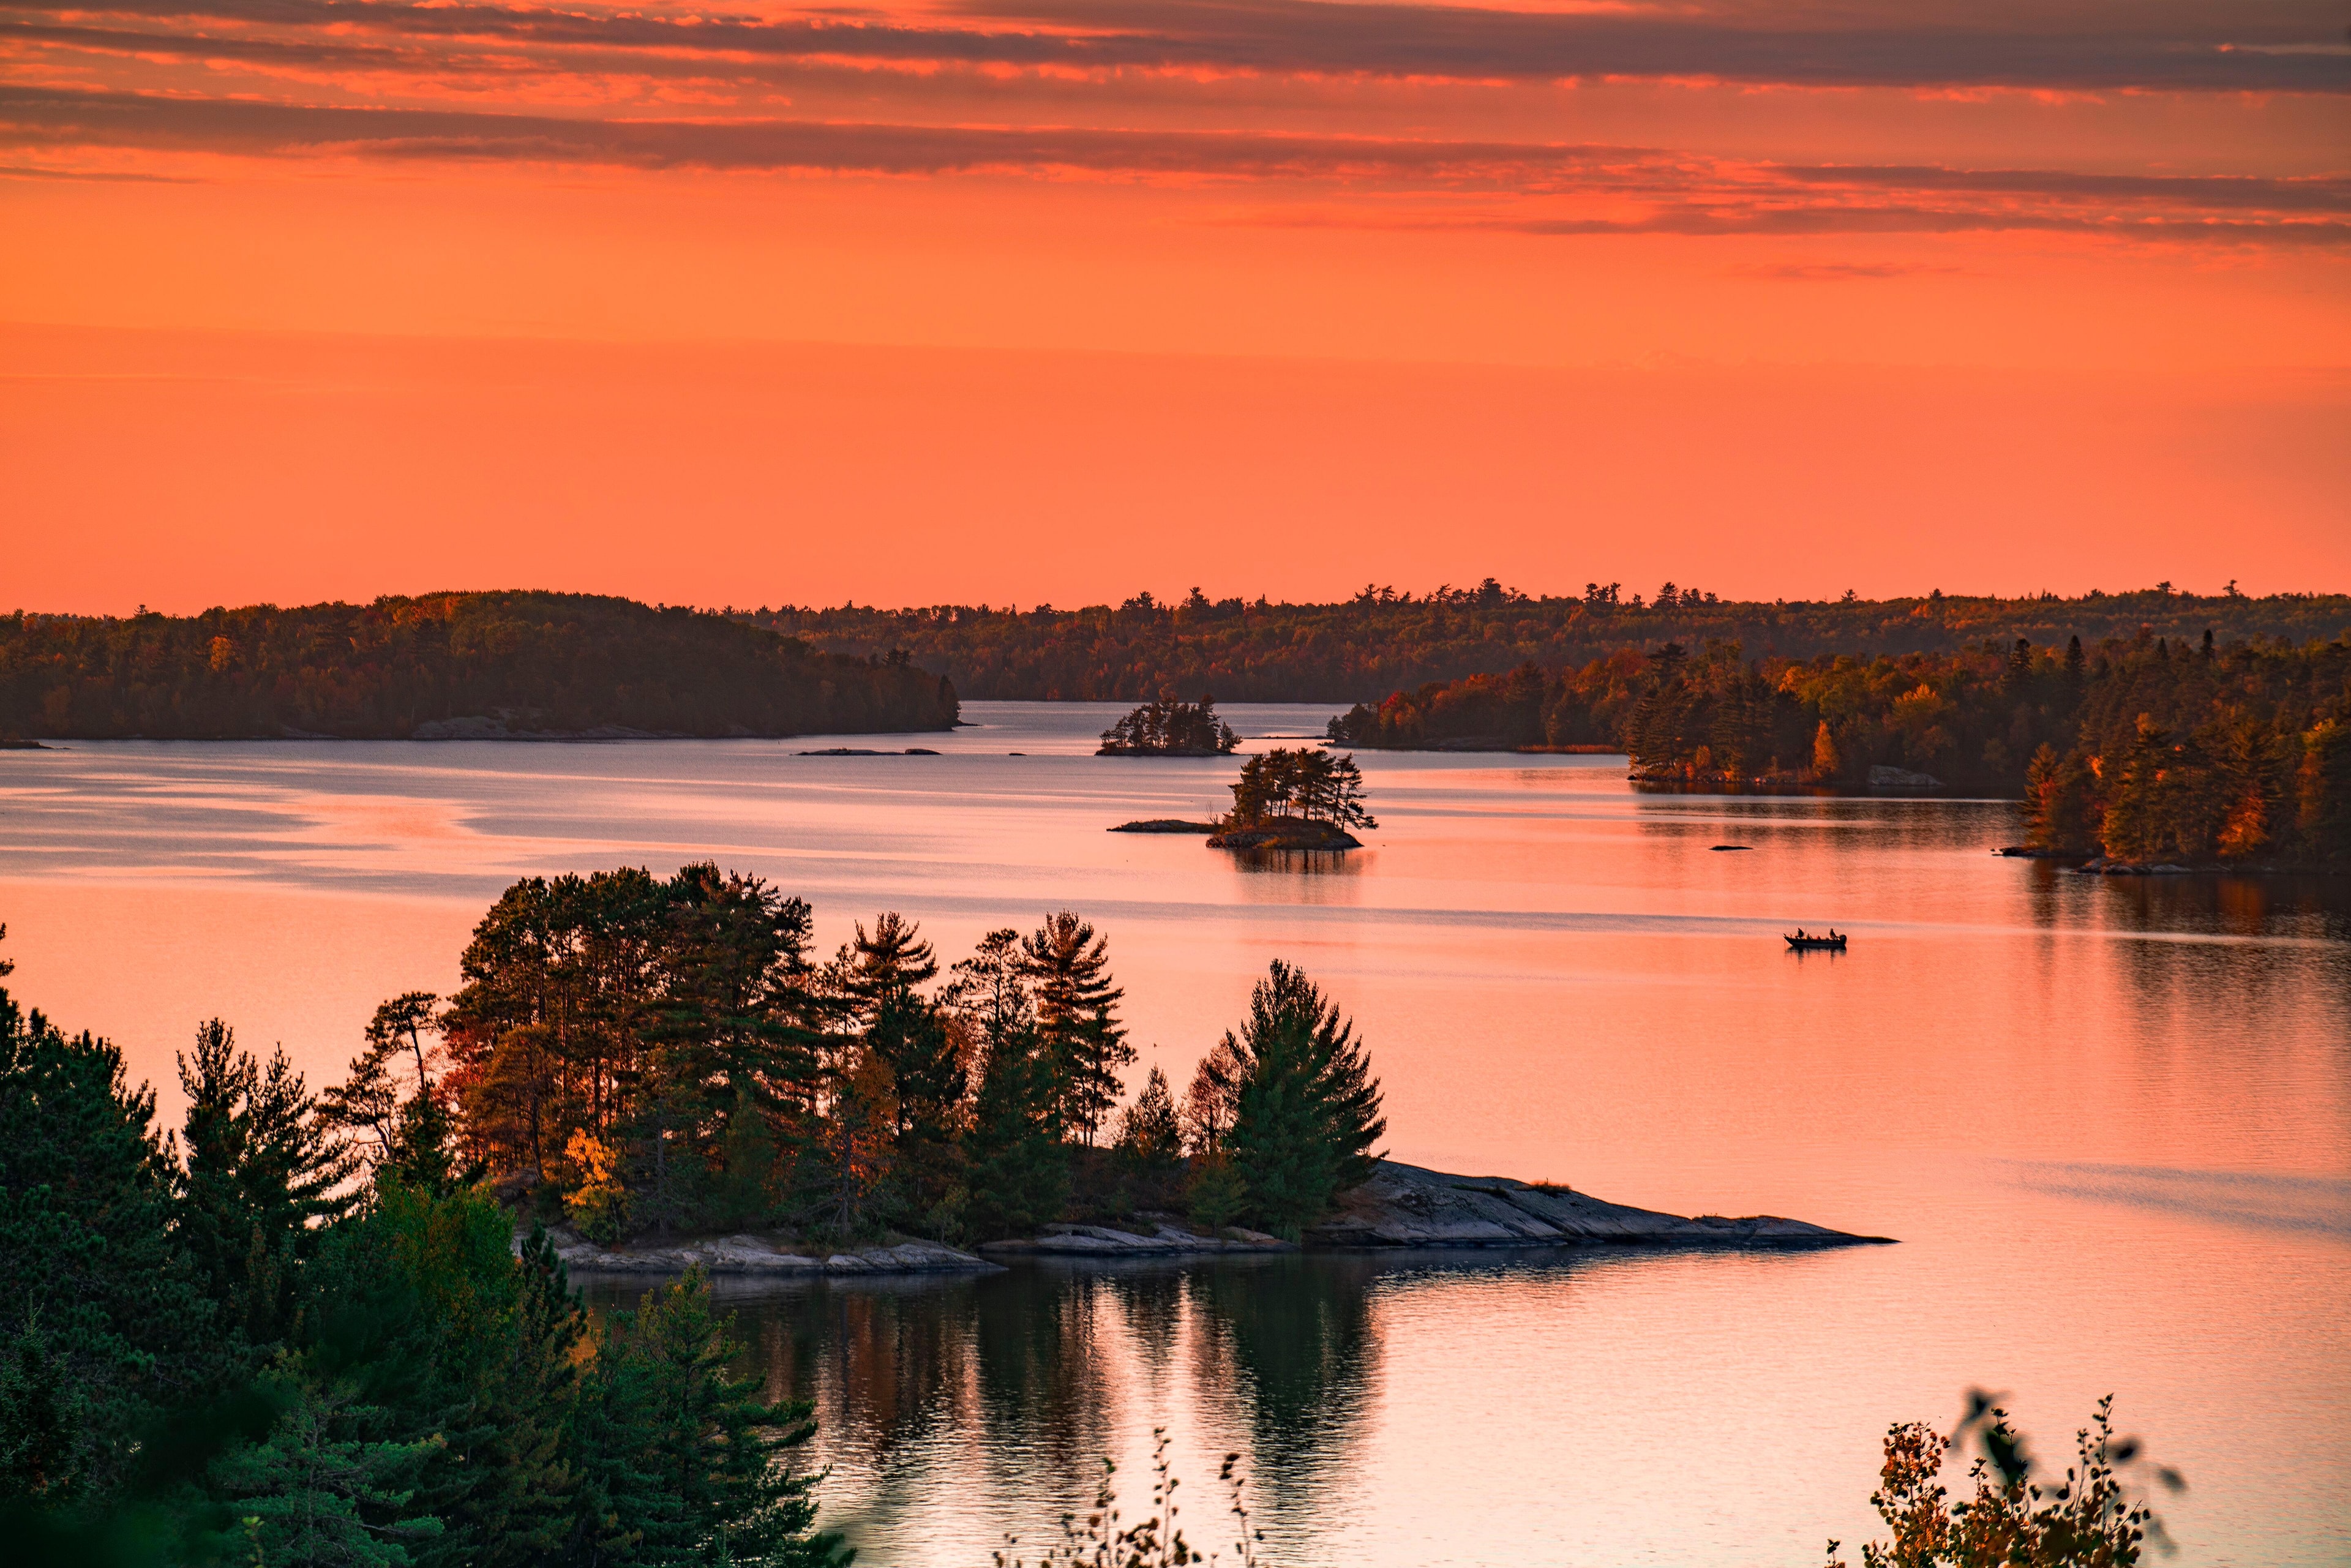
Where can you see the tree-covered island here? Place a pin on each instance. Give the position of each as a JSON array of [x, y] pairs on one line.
[[446, 665], [1171, 727], [1295, 799]]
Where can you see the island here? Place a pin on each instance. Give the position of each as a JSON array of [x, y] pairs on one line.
[[1170, 727], [1285, 799]]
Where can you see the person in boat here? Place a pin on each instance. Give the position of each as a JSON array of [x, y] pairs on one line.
[[1800, 934]]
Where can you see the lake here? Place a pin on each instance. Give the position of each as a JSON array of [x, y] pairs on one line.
[[2108, 1119]]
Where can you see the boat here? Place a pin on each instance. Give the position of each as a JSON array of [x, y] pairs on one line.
[[1821, 944]]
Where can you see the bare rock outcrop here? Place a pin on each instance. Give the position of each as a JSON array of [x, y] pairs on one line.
[[1406, 1206], [762, 1255], [1166, 1240]]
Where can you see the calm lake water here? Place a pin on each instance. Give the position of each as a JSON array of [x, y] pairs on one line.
[[2109, 1120]]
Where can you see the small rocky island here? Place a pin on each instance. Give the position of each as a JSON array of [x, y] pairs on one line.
[[1284, 799], [1401, 1208]]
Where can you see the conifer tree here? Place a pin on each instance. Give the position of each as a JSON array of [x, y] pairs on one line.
[[1151, 1139], [1017, 1169], [711, 1445], [1307, 1109], [260, 1172], [314, 1494], [104, 1323], [1066, 967], [893, 959], [932, 1090]]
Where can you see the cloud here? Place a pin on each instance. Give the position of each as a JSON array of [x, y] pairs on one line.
[[2243, 45], [1552, 190]]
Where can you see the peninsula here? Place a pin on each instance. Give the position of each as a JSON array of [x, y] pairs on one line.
[[1401, 1208]]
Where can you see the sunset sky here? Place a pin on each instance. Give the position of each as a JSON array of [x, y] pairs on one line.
[[1031, 300]]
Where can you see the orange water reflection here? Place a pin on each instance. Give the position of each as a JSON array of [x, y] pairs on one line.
[[2111, 1120]]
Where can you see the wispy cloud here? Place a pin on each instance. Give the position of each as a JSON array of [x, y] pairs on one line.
[[970, 89], [2259, 45]]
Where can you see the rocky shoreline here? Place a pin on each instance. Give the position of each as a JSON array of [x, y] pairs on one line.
[[1290, 833], [2089, 862], [1401, 1208], [1286, 835], [1408, 1207]]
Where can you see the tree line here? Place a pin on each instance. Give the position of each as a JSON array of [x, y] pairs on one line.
[[1303, 784], [557, 662], [631, 1053], [255, 1341], [2143, 748], [1381, 640]]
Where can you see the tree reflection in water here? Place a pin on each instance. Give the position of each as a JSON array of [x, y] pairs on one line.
[[1022, 1383]]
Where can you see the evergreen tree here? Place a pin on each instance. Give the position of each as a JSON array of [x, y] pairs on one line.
[[1150, 1141], [421, 1306], [104, 1323], [364, 1108], [932, 1090], [260, 1172], [1068, 967], [891, 961], [312, 1496], [1150, 1130], [711, 1446], [1018, 1170], [1307, 1108]]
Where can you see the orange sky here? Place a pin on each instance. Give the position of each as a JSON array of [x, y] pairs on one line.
[[1022, 299]]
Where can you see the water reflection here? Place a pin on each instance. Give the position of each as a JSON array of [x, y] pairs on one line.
[[1557, 979]]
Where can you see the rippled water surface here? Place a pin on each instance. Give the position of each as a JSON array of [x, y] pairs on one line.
[[2110, 1121]]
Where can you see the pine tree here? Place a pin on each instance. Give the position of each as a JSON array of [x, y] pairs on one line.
[[1150, 1133], [104, 1323], [1017, 1169], [260, 1173], [932, 1085], [1308, 1111], [1068, 967], [420, 1303], [712, 1448], [891, 961], [313, 1495]]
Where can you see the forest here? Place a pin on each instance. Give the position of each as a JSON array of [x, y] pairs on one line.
[[1382, 641], [2143, 749], [634, 1054], [332, 1328], [444, 664]]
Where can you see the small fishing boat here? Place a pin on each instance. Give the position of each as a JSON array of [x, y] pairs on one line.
[[1804, 943]]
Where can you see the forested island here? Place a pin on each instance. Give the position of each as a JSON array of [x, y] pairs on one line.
[[1171, 727], [1382, 641], [2141, 748], [445, 665]]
